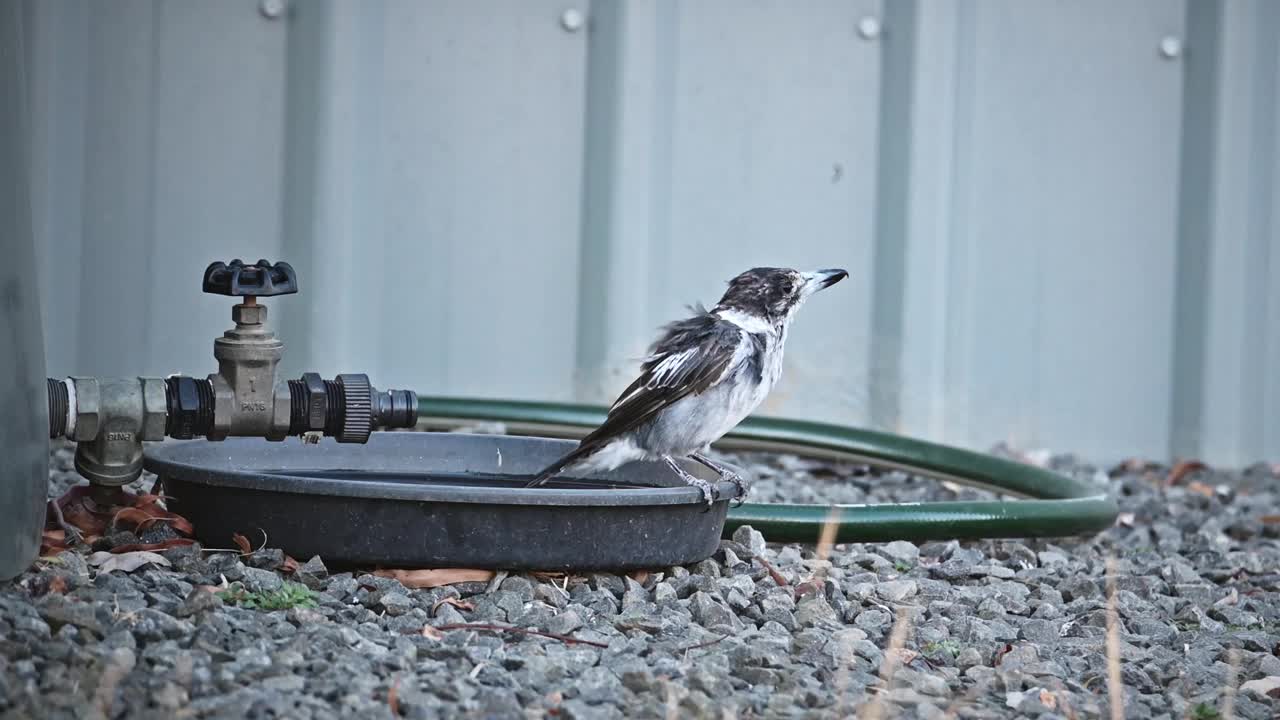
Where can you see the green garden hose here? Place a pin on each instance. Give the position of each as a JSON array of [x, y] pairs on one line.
[[1058, 506]]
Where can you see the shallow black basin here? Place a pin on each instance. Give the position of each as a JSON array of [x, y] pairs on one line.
[[430, 500]]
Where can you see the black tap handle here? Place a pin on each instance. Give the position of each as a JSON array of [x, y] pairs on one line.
[[262, 279]]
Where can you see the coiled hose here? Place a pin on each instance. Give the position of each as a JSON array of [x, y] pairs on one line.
[[1057, 505]]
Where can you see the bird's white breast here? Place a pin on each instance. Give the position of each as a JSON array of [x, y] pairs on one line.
[[749, 394]]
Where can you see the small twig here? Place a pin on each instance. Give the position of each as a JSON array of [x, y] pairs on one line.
[[773, 572], [520, 631], [701, 645]]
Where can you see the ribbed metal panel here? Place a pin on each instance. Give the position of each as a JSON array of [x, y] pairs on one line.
[[1057, 216]]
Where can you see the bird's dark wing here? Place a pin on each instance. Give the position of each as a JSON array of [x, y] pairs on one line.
[[692, 356]]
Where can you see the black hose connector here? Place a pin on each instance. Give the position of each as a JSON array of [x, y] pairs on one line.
[[347, 408], [395, 409], [190, 408], [59, 406]]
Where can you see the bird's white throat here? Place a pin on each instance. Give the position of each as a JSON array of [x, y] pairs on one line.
[[747, 321]]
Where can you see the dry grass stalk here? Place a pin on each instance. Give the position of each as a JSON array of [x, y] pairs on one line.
[[118, 666], [673, 702], [842, 684], [953, 707], [826, 541], [1115, 684], [875, 708], [1233, 676], [827, 538]]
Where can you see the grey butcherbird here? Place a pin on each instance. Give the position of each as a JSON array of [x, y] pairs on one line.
[[702, 377]]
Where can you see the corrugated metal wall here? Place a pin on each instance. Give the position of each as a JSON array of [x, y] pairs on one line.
[[1057, 216]]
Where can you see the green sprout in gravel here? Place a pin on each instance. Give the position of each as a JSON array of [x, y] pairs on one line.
[[949, 646], [1205, 711], [290, 595], [902, 566]]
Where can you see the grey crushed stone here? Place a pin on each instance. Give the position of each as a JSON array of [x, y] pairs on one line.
[[996, 629]]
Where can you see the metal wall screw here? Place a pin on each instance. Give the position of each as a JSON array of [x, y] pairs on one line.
[[271, 9], [571, 20], [869, 27], [1170, 47]]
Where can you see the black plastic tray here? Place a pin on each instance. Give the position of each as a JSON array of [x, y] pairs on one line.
[[430, 500]]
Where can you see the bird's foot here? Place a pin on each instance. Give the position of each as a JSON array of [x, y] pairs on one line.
[[726, 474], [742, 487], [708, 492]]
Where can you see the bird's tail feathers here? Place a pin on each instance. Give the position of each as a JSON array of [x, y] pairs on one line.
[[554, 468]]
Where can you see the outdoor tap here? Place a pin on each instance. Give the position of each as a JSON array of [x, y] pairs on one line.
[[109, 419]]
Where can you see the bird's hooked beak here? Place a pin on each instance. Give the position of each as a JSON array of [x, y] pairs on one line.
[[821, 279]]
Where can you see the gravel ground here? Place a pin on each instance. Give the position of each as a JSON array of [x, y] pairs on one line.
[[988, 629]]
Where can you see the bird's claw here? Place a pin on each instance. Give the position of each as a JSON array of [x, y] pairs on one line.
[[708, 493], [741, 485]]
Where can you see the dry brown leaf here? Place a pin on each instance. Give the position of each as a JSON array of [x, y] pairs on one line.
[[290, 565], [812, 586], [52, 542], [84, 513], [430, 632], [242, 542], [1048, 699], [1270, 519], [138, 518], [1182, 469], [80, 511], [456, 602], [126, 562], [1199, 487], [436, 578], [639, 576], [1000, 654]]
